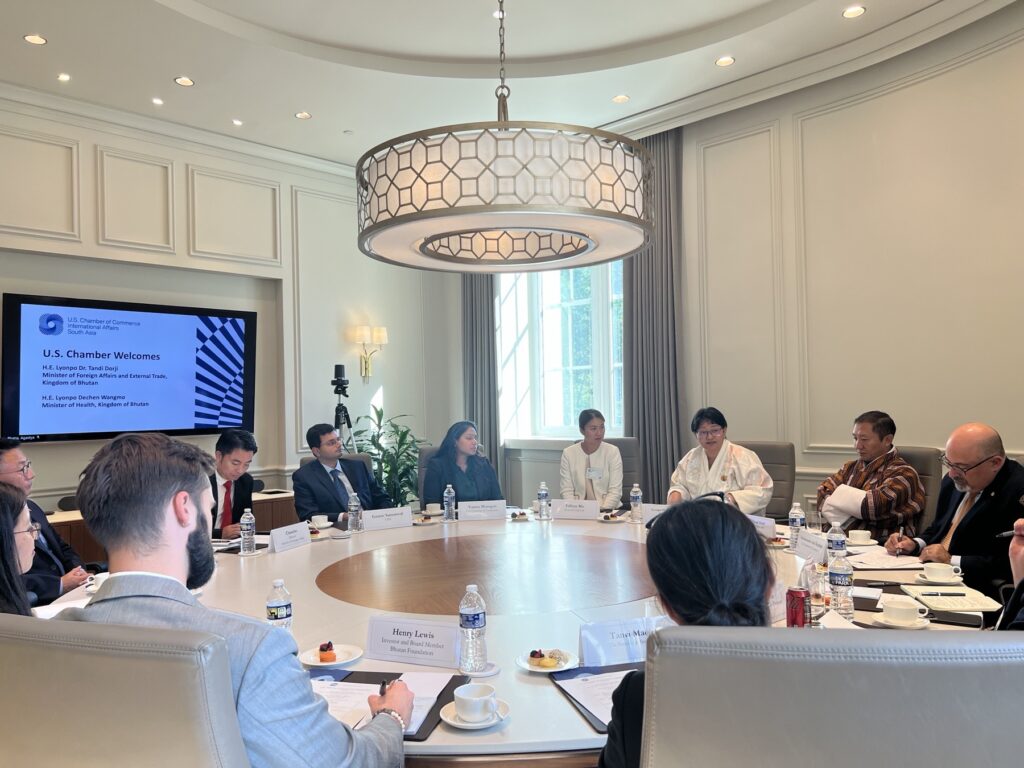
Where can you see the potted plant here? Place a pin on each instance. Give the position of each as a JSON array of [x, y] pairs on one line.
[[395, 452]]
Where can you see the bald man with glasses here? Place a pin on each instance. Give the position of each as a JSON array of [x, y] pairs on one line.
[[981, 496]]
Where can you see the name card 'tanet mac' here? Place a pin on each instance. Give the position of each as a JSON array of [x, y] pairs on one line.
[[393, 517], [617, 642], [575, 509], [289, 537], [432, 643], [482, 510]]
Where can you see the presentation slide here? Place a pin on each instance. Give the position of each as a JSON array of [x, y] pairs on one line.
[[86, 370]]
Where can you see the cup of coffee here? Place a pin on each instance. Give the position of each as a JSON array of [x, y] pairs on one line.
[[941, 571], [433, 509], [859, 536], [95, 580], [320, 521], [903, 610], [475, 702]]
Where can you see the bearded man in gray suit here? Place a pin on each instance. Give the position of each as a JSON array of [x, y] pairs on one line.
[[147, 499]]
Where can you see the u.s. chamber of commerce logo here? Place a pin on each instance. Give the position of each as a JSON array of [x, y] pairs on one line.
[[51, 324]]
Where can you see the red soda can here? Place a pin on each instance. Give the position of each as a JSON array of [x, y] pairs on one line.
[[798, 607]]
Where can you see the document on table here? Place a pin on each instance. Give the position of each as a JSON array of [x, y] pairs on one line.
[[877, 559], [832, 620], [594, 692], [426, 686], [346, 701], [51, 610]]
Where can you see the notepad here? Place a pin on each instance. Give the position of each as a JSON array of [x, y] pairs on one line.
[[971, 600], [877, 559]]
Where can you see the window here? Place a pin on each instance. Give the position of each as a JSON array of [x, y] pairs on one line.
[[560, 349]]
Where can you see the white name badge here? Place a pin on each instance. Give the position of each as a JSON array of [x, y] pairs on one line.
[[594, 473], [393, 517], [289, 537], [482, 510], [575, 509], [617, 642], [393, 638], [811, 546], [653, 510], [764, 525]]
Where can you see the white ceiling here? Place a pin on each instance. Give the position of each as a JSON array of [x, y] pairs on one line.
[[368, 70]]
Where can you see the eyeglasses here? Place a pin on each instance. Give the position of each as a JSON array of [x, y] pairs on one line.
[[22, 468], [961, 468], [33, 529], [706, 433]]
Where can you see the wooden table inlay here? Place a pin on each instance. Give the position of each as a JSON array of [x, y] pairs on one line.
[[531, 569]]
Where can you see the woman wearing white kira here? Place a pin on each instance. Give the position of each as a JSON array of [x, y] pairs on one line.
[[720, 467], [592, 469]]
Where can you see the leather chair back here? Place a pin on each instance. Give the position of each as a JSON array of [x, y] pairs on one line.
[[752, 696], [363, 457], [928, 463], [83, 694], [427, 452], [632, 467], [779, 460]]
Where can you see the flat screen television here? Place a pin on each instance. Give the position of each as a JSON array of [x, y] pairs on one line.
[[77, 369]]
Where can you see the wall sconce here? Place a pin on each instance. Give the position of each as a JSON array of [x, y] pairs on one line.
[[368, 337]]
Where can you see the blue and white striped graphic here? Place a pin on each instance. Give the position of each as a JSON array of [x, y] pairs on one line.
[[220, 371]]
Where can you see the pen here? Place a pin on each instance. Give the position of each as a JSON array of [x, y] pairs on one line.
[[898, 542], [1005, 535], [943, 594], [383, 687]]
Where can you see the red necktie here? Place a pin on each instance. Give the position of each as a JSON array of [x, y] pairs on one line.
[[225, 515]]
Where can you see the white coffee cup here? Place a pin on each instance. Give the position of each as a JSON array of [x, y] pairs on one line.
[[941, 571], [475, 702], [96, 580], [320, 521], [903, 610], [859, 535], [433, 509]]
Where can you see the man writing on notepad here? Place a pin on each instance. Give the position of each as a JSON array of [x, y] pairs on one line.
[[157, 536], [232, 483], [980, 497], [879, 491]]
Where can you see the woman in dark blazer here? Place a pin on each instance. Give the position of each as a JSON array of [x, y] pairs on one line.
[[710, 567], [17, 548], [457, 463]]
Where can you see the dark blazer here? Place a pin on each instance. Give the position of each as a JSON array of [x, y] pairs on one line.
[[315, 493], [42, 581], [442, 471], [241, 499], [622, 750], [1013, 614], [983, 557]]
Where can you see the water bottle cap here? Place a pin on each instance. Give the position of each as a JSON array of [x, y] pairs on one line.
[[471, 587], [278, 582], [637, 486], [796, 505]]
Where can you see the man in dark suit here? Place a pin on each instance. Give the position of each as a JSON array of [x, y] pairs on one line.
[[980, 497], [323, 487], [232, 483], [56, 567]]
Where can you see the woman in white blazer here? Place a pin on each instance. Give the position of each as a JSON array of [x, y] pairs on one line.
[[591, 468]]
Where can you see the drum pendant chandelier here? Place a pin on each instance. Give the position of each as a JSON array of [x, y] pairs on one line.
[[504, 196]]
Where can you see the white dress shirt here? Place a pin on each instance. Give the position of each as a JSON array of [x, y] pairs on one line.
[[736, 471]]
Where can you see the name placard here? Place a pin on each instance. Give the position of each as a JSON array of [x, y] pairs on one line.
[[764, 525], [617, 642], [482, 510], [577, 509], [393, 517], [652, 510], [289, 537], [811, 546], [432, 643]]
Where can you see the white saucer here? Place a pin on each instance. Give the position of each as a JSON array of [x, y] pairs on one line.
[[922, 579], [323, 527], [489, 671], [346, 654], [871, 543], [439, 513], [338, 534], [614, 519], [523, 663], [449, 715], [881, 621]]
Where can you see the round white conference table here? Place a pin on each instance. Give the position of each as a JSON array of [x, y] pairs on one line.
[[542, 582]]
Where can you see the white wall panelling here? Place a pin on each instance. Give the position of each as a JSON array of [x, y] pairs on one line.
[[233, 217], [135, 200], [39, 194]]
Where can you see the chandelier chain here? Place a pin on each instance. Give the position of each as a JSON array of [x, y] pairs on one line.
[[502, 91]]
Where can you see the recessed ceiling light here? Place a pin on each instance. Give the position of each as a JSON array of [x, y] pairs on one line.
[[185, 82], [158, 101], [620, 99], [64, 77], [854, 11], [236, 122], [303, 115], [725, 61], [35, 39]]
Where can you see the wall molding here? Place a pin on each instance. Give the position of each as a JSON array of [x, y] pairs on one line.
[[75, 233], [102, 153], [196, 172]]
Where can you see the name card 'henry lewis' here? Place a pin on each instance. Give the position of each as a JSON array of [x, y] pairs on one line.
[[433, 643]]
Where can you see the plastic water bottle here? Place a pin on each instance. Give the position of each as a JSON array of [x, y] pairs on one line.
[[449, 505], [248, 526], [797, 521], [279, 606], [636, 504], [472, 625], [840, 580], [836, 542], [355, 514], [543, 502]]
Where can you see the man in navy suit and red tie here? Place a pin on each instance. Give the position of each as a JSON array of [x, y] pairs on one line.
[[56, 567], [232, 483], [323, 487]]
